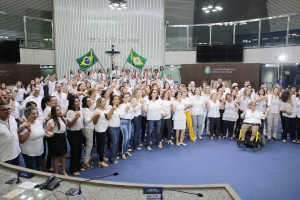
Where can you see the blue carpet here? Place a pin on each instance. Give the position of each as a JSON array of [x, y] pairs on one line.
[[269, 173]]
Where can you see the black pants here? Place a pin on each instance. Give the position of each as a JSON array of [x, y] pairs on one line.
[[166, 128], [137, 129], [289, 126], [75, 141], [143, 125], [101, 139], [298, 128], [49, 155], [215, 126], [228, 125]]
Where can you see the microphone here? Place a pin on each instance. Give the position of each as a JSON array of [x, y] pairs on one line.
[[199, 194], [74, 191], [13, 180]]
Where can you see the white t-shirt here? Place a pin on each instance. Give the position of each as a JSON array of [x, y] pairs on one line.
[[79, 122], [87, 121], [253, 117], [54, 126], [37, 100], [19, 96], [128, 114], [154, 110], [62, 100], [166, 106], [34, 145], [199, 105], [115, 119], [51, 86], [102, 123], [213, 110], [9, 140]]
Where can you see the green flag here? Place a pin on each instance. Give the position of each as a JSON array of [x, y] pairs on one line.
[[87, 60], [136, 60]]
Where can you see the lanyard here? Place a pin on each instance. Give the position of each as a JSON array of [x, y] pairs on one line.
[[8, 127]]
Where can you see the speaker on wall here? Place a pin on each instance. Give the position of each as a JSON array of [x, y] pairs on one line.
[[235, 53], [203, 54]]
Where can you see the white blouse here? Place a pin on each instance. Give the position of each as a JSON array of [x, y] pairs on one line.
[[102, 123], [253, 117], [54, 126], [128, 114], [115, 119], [79, 122], [154, 109], [179, 111], [274, 103], [19, 96], [199, 105], [230, 112], [244, 101], [290, 107], [213, 110], [166, 105], [34, 145], [137, 111], [87, 118], [297, 102]]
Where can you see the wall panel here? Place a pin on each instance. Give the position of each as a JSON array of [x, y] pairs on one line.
[[75, 20]]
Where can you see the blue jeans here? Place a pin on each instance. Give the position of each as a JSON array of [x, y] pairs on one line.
[[14, 161], [126, 132], [137, 129], [114, 133], [33, 162], [151, 124]]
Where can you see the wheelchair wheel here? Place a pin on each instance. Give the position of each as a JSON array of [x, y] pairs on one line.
[[256, 146], [263, 140]]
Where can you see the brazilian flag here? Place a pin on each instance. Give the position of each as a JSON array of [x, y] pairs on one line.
[[87, 60], [136, 60]]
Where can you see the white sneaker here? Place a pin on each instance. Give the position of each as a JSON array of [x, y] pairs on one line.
[[183, 144]]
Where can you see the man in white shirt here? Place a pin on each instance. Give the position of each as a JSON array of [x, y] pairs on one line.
[[61, 97], [36, 98], [9, 140], [247, 82], [51, 85], [116, 73], [80, 75], [39, 83]]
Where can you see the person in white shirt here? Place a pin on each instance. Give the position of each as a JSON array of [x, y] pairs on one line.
[[179, 118], [206, 97], [288, 108], [9, 141], [274, 115], [51, 85], [153, 107], [56, 128], [126, 115], [88, 130], [36, 98], [19, 92], [75, 125], [189, 121], [31, 140], [297, 101], [213, 106], [261, 100], [230, 115], [170, 81], [39, 83], [197, 112], [113, 116], [61, 97], [137, 104], [116, 73], [101, 125], [166, 121], [252, 117]]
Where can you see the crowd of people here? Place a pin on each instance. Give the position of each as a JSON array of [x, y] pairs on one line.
[[121, 111]]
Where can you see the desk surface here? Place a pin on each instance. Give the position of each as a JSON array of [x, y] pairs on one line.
[[106, 189]]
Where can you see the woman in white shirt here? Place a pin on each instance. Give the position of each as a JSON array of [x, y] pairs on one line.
[[179, 118], [187, 113], [166, 121], [252, 118], [274, 115], [113, 116], [244, 98], [213, 106], [75, 125], [137, 103], [288, 108], [101, 125], [170, 81], [197, 112], [230, 115], [88, 130], [206, 97], [261, 104], [126, 114], [56, 128], [31, 140], [154, 112], [19, 92]]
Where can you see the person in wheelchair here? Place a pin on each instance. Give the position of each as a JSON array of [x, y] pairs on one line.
[[252, 118]]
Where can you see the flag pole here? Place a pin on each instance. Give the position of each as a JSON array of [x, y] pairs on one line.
[[98, 61], [126, 59]]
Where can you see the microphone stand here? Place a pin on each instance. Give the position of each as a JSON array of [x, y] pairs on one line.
[[199, 194], [74, 191]]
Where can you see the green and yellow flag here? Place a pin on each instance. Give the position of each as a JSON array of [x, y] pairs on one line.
[[136, 60], [87, 60]]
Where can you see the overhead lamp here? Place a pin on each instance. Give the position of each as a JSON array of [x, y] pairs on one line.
[[207, 11], [119, 8], [214, 10], [204, 8], [281, 58], [210, 6], [117, 4]]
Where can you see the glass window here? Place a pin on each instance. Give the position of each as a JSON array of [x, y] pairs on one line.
[[39, 33], [222, 34], [12, 28], [294, 30], [247, 33], [176, 38]]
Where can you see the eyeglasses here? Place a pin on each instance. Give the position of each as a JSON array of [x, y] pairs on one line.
[[6, 109], [253, 105]]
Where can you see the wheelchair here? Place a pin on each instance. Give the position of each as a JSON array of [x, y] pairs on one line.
[[258, 141]]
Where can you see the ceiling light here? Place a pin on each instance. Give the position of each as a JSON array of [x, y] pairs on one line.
[[219, 7], [281, 58], [207, 11], [210, 6], [119, 8], [204, 8], [117, 4], [214, 10]]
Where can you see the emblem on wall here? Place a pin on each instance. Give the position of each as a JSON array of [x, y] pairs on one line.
[[207, 70]]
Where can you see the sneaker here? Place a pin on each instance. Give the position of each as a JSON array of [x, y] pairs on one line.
[[283, 140], [114, 163], [118, 157], [183, 144], [149, 148]]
